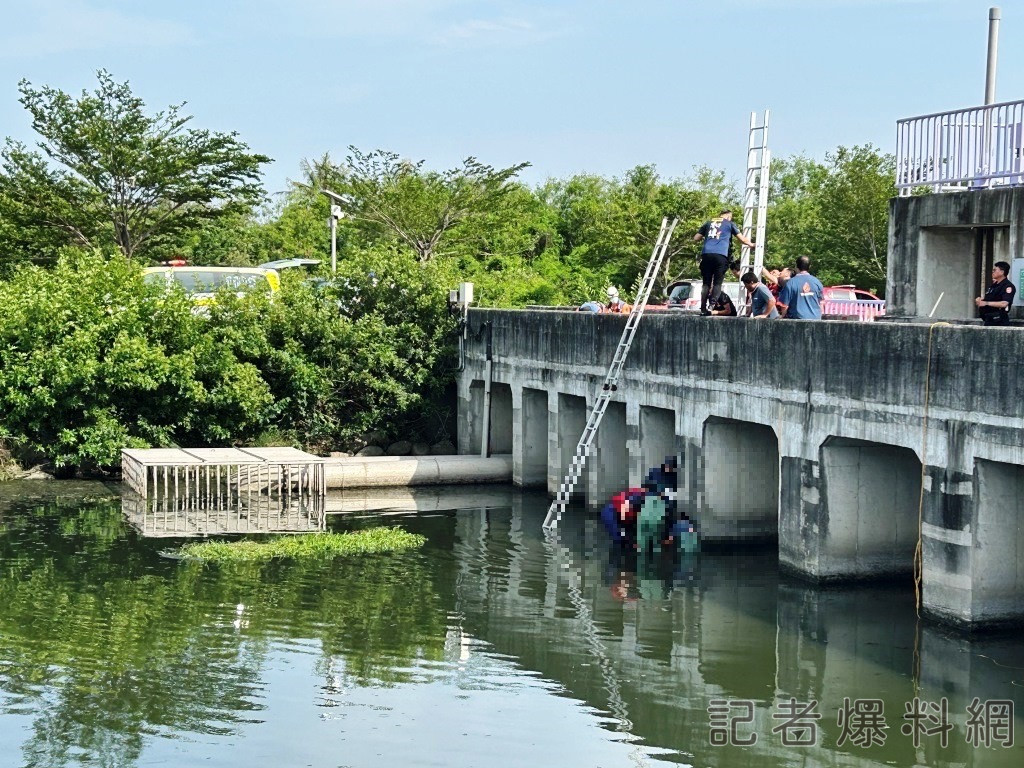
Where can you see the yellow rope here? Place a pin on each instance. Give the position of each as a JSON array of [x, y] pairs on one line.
[[918, 557], [918, 549]]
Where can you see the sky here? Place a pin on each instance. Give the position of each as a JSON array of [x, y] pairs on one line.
[[570, 86]]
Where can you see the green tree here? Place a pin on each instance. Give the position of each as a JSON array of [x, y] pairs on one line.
[[104, 173], [424, 209]]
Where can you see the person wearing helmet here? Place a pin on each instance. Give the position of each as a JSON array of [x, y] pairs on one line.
[[615, 303]]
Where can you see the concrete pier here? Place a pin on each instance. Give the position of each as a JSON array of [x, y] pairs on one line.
[[814, 433]]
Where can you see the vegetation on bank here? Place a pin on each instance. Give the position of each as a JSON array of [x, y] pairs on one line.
[[92, 359], [307, 546]]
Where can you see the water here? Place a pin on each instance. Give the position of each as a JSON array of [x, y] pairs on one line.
[[489, 647]]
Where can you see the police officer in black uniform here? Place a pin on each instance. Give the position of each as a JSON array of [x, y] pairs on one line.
[[995, 305]]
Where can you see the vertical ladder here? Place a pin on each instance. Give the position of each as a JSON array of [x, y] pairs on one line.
[[755, 195], [611, 379]]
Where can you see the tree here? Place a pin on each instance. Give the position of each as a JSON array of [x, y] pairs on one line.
[[106, 173], [422, 208]]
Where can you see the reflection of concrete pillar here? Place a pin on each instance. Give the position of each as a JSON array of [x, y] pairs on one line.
[[740, 473], [530, 427], [737, 616], [609, 463], [830, 647]]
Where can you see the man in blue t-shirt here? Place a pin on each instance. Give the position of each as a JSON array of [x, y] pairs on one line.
[[762, 303], [717, 235], [801, 298]]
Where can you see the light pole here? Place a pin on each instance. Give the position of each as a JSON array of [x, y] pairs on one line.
[[336, 213]]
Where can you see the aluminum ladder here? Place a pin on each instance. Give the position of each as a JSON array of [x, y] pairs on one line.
[[755, 195], [611, 378]]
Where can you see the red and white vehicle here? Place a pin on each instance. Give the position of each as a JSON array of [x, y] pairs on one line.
[[850, 301]]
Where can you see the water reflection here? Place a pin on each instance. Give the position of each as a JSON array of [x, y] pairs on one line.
[[493, 646], [187, 516]]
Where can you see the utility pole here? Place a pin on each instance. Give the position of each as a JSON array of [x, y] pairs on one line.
[[337, 212], [994, 16]]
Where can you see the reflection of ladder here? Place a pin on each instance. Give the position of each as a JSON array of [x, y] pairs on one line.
[[755, 196], [611, 379]]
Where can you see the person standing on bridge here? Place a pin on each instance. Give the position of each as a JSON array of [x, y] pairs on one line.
[[994, 306], [800, 298], [717, 235]]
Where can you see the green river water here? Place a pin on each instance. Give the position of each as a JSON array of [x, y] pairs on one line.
[[489, 647]]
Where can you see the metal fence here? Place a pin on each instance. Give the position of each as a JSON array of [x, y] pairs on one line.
[[864, 310], [973, 148]]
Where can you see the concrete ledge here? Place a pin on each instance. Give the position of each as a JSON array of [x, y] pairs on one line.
[[383, 471]]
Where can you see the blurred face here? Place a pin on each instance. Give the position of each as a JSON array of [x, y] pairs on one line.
[[997, 274], [785, 274]]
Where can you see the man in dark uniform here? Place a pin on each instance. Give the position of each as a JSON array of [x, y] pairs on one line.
[[994, 306], [717, 235]]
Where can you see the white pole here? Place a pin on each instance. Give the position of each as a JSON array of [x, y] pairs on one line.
[[334, 243], [994, 15]]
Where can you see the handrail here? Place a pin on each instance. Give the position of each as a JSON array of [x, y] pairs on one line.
[[973, 148]]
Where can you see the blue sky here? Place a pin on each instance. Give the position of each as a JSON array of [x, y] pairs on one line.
[[568, 85]]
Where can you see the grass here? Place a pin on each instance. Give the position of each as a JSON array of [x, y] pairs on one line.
[[309, 546]]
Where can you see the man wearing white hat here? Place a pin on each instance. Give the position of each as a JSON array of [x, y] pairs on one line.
[[616, 304]]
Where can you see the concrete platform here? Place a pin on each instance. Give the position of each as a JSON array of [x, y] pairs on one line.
[[384, 471]]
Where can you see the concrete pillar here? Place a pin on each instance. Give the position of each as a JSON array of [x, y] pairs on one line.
[[471, 413], [610, 461], [946, 541], [657, 438], [854, 515], [741, 480], [501, 418], [570, 417], [997, 558], [530, 463], [872, 495]]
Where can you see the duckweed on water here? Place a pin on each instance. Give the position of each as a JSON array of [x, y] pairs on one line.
[[305, 546]]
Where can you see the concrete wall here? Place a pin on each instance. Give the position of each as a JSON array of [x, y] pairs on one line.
[[932, 248], [813, 432]]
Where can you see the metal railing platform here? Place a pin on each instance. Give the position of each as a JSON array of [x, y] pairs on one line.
[[222, 478], [973, 148]]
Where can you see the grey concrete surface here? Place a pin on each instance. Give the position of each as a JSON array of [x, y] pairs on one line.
[[811, 432], [385, 471]]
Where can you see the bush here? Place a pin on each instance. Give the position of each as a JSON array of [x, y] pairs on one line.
[[92, 359]]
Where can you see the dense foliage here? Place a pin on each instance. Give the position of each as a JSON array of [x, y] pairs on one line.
[[106, 173], [92, 360]]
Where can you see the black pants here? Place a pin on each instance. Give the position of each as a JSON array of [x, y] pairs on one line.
[[990, 316], [712, 269]]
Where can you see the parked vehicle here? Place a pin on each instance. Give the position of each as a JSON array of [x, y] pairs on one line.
[[281, 264], [850, 301], [202, 283], [684, 295]]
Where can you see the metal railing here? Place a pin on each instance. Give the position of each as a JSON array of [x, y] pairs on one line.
[[865, 310], [973, 148]]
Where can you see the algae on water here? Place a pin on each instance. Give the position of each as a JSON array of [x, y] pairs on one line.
[[305, 546]]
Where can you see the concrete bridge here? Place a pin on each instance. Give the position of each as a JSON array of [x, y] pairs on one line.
[[831, 437]]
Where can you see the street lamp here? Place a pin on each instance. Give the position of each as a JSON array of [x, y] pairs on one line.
[[336, 213]]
